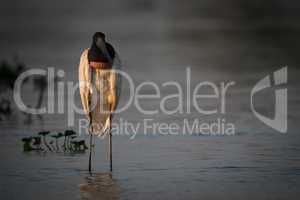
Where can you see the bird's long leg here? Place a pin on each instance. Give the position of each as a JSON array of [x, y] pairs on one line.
[[91, 142], [90, 156], [91, 136], [110, 144], [91, 122]]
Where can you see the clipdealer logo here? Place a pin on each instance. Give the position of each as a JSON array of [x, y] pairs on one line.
[[279, 122], [194, 95]]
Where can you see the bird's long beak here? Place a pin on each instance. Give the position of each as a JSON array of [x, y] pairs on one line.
[[101, 45]]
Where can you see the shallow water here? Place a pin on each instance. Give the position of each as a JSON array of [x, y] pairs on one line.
[[244, 166]]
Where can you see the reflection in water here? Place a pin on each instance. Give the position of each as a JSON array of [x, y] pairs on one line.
[[99, 186]]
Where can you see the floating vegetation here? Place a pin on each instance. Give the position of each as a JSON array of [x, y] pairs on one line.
[[56, 137], [47, 141], [44, 134], [27, 144], [79, 145]]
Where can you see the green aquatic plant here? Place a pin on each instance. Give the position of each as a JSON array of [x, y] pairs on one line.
[[68, 134], [71, 146], [70, 142], [27, 144], [51, 144], [37, 142], [73, 137], [31, 143], [79, 145], [44, 134], [56, 137]]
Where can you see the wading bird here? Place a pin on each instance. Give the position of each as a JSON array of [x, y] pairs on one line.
[[100, 87]]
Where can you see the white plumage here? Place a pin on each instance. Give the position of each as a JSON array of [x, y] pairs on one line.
[[100, 94]]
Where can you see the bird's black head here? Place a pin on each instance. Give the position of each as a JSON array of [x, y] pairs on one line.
[[100, 50]]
